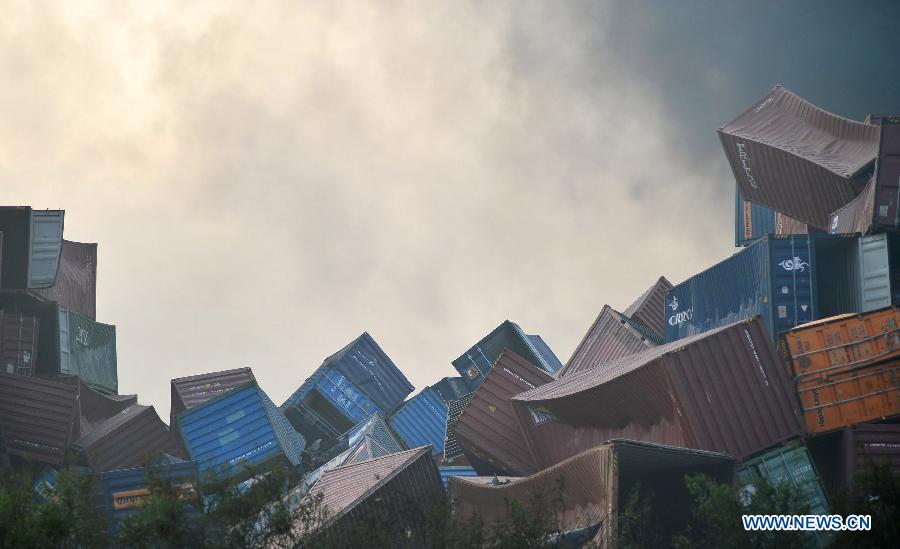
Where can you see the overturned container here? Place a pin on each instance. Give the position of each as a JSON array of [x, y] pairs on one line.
[[76, 281], [846, 369], [39, 418], [488, 431], [611, 336], [451, 388], [648, 310], [475, 363], [752, 221], [348, 387], [422, 420], [791, 156], [191, 391], [128, 439], [453, 452], [693, 393], [32, 240], [843, 457], [239, 429]]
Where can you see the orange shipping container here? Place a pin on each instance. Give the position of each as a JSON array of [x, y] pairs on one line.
[[845, 368]]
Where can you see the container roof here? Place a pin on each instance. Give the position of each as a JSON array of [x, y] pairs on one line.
[[648, 309]]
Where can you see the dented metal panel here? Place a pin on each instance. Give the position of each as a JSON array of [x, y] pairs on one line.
[[752, 221], [724, 390], [46, 245], [191, 391], [421, 421], [649, 309], [611, 336], [793, 157], [31, 246], [127, 439], [38, 418], [76, 282]]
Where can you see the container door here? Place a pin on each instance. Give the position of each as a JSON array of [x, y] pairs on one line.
[[45, 247], [793, 287], [887, 175], [65, 352], [875, 272]]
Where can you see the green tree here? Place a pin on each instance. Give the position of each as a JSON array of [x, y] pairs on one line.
[[875, 492]]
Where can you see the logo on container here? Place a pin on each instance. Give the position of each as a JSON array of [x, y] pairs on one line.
[[745, 163], [795, 264]]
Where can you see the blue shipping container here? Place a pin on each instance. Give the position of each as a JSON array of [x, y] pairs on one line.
[[422, 421], [378, 429], [474, 364], [351, 401], [448, 471], [774, 277], [751, 221], [125, 491], [451, 388], [240, 427]]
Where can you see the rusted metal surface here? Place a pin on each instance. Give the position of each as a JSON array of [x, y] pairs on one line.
[[594, 483], [38, 418], [127, 439], [19, 340], [191, 391], [724, 390], [403, 484], [488, 428], [649, 309], [611, 336], [76, 281], [846, 369], [791, 156]]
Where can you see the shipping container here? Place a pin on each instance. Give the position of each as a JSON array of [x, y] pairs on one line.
[[752, 221], [76, 281], [788, 280], [649, 309], [95, 406], [127, 439], [451, 388], [791, 156], [422, 421], [596, 483], [845, 369], [350, 385], [191, 391], [39, 418], [69, 343], [845, 455], [474, 364], [724, 390], [488, 428], [392, 489], [19, 335], [611, 336], [32, 241], [239, 428], [453, 452], [127, 491], [448, 471]]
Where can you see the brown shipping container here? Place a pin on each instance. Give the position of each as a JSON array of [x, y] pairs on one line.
[[650, 308], [595, 485], [127, 440], [191, 391], [724, 390], [96, 406], [488, 428], [845, 368], [841, 455], [611, 336], [76, 281], [19, 333], [791, 156], [38, 417]]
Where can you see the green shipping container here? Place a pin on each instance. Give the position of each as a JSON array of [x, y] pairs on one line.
[[87, 349]]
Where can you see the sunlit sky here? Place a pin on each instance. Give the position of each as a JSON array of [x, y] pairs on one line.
[[266, 181]]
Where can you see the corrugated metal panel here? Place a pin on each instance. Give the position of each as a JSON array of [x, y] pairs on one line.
[[452, 449], [127, 439], [887, 175], [356, 493], [837, 276], [791, 465], [611, 336], [752, 221], [46, 245], [76, 282], [126, 491], [451, 388], [870, 444], [344, 396], [18, 353], [474, 364], [38, 418], [856, 215], [791, 156], [724, 390], [448, 471], [377, 428], [593, 481], [775, 277], [191, 391], [649, 309], [422, 420], [876, 272], [488, 428], [96, 406], [91, 350], [236, 429], [368, 367]]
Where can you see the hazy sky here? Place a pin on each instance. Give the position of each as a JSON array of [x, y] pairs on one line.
[[268, 182]]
